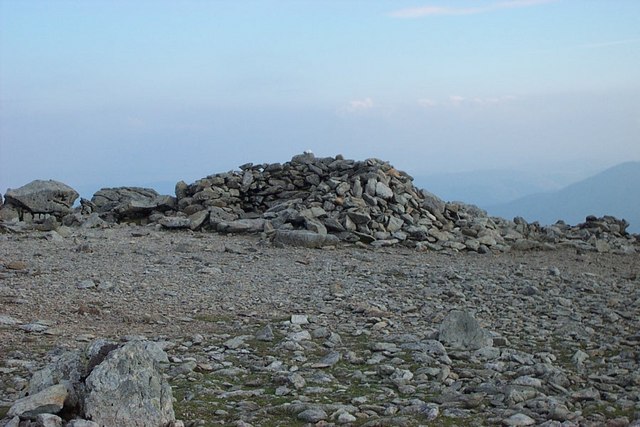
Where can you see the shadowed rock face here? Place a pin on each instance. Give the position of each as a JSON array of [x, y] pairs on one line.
[[131, 202], [43, 197]]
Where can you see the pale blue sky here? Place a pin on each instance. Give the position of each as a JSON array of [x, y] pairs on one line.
[[104, 93]]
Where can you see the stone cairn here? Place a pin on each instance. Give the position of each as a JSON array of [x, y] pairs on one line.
[[313, 202]]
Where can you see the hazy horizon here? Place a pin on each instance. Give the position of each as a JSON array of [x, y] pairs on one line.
[[109, 93]]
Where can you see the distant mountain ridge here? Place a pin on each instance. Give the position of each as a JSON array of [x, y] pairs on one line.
[[493, 187], [615, 191]]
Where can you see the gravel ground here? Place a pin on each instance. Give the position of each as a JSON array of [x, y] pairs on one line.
[[263, 335]]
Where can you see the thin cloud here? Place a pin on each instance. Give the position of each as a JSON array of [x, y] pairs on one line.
[[419, 12], [455, 101], [610, 43], [359, 105], [427, 102]]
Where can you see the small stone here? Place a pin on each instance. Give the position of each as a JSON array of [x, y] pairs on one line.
[[299, 319], [82, 423], [282, 390], [299, 336], [312, 415], [16, 265], [297, 380], [236, 342], [383, 191], [86, 284], [328, 361], [346, 418], [462, 331], [34, 327], [265, 334], [519, 420], [48, 420], [8, 320], [579, 357], [560, 413]]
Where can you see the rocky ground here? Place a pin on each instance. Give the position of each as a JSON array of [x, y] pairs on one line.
[[348, 335]]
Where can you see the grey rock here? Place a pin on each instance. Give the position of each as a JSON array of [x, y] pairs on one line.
[[198, 219], [312, 415], [131, 202], [48, 420], [518, 420], [43, 197], [299, 319], [329, 360], [48, 401], [9, 320], [265, 334], [236, 342], [13, 422], [461, 330], [304, 238], [173, 222], [86, 284], [383, 191], [82, 423], [127, 388], [33, 327], [94, 221], [69, 368], [241, 226]]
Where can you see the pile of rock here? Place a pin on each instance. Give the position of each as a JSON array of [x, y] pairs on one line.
[[107, 385], [313, 202], [367, 201]]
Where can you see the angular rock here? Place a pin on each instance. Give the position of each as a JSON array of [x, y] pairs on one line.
[[43, 197], [241, 226], [127, 388], [519, 420], [304, 238], [131, 202], [48, 401], [173, 222], [461, 330], [312, 415], [48, 420]]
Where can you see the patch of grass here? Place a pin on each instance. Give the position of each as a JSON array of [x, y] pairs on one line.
[[454, 422], [213, 318], [602, 409], [3, 411]]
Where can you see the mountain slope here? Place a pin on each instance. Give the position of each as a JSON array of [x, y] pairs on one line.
[[492, 187], [616, 191]]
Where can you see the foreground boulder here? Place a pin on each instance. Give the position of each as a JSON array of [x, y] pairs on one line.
[[41, 197], [108, 385], [128, 389]]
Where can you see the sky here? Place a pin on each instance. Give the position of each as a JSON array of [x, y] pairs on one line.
[[109, 93]]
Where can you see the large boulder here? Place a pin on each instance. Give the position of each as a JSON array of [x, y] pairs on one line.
[[106, 385], [131, 202], [43, 197], [127, 388]]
